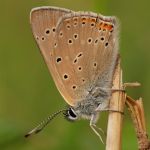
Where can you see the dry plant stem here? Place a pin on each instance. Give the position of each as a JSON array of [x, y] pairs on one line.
[[137, 113], [115, 119]]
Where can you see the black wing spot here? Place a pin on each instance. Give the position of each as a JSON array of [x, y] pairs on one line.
[[92, 24], [65, 77], [96, 41], [60, 34], [79, 68], [83, 21], [55, 45], [106, 44], [83, 80], [37, 37], [95, 64], [68, 26], [102, 39], [43, 38], [74, 87], [90, 40], [70, 41], [80, 54], [75, 36], [47, 31], [59, 59], [75, 61], [54, 29], [99, 29]]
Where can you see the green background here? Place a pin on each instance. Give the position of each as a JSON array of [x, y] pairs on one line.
[[28, 93]]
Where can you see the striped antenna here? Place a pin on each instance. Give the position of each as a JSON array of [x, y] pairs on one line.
[[44, 123]]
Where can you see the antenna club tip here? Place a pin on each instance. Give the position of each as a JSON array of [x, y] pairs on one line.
[[27, 135], [42, 124]]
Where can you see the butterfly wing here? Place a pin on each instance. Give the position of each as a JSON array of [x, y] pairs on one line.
[[85, 53], [43, 21], [80, 51]]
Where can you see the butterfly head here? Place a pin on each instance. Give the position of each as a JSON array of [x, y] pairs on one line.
[[70, 114]]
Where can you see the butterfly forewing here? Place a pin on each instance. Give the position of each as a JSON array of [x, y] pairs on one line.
[[87, 47], [43, 22]]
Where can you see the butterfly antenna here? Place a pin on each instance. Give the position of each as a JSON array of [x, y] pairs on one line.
[[44, 123]]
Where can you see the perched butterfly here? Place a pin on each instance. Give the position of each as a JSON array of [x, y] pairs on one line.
[[80, 50]]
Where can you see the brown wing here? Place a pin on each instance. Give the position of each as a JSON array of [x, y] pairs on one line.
[[43, 22], [85, 51]]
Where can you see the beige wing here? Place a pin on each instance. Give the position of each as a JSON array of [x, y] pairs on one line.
[[43, 22], [85, 51]]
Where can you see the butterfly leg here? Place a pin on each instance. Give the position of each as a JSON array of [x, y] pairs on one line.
[[133, 84], [125, 85], [105, 107], [118, 90], [104, 90], [94, 127], [111, 110]]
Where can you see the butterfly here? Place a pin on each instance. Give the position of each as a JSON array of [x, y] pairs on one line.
[[80, 50]]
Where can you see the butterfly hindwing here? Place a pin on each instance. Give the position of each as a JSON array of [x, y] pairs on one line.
[[86, 45]]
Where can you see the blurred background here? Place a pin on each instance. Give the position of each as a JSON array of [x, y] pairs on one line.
[[28, 93]]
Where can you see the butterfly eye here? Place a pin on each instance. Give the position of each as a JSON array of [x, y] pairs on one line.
[[70, 115]]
